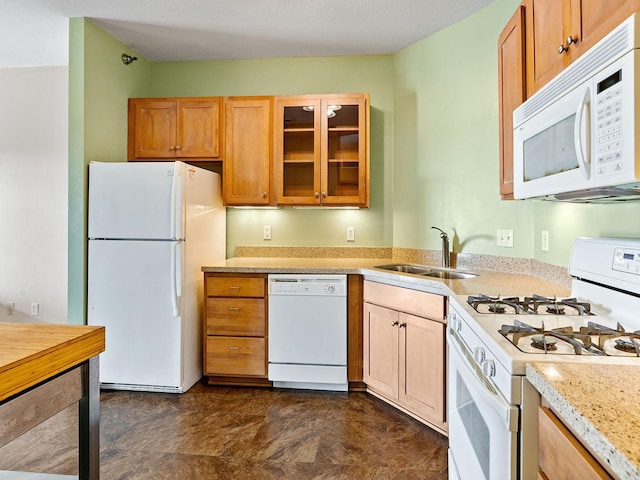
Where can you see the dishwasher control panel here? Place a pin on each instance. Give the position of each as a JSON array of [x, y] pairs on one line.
[[308, 284]]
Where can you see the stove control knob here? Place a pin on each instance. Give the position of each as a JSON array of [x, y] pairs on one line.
[[478, 354], [488, 368]]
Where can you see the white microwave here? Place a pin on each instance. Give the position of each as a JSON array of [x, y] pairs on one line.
[[575, 139]]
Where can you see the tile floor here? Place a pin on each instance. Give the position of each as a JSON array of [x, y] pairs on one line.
[[240, 433]]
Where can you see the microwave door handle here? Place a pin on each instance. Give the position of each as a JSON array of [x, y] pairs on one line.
[[583, 160]]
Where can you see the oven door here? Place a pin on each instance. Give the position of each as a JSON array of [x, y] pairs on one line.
[[483, 427]]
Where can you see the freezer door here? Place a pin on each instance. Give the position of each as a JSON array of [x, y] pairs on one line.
[[132, 288], [136, 200]]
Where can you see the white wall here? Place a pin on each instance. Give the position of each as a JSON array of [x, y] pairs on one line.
[[33, 192]]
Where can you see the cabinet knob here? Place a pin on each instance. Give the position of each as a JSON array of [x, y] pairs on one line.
[[317, 195], [395, 324], [562, 49], [324, 194], [402, 325], [171, 147], [178, 147], [572, 39], [264, 194]]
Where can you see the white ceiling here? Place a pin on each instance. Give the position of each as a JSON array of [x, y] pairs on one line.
[[35, 32]]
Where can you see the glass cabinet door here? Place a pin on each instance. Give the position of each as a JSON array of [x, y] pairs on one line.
[[297, 155], [343, 151], [320, 150]]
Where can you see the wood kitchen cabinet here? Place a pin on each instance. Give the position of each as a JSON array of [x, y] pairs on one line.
[[561, 455], [405, 350], [235, 329], [174, 128], [321, 151], [558, 32], [512, 92], [248, 150]]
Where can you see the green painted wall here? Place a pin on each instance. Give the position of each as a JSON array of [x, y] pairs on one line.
[[294, 76], [99, 86], [446, 141]]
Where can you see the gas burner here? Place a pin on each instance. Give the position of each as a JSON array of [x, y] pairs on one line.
[[496, 308], [555, 309], [629, 346], [543, 342]]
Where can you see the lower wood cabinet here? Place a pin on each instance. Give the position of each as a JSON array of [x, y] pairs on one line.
[[235, 329], [405, 350], [561, 455]]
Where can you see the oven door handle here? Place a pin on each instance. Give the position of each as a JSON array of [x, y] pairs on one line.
[[479, 385]]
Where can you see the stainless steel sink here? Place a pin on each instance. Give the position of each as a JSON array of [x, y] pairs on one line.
[[404, 268], [423, 270]]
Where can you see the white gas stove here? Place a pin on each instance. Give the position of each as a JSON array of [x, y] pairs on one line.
[[491, 339]]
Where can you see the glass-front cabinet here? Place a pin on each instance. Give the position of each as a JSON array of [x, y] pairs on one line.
[[322, 150]]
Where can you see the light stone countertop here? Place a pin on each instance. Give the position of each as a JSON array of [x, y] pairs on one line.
[[489, 282], [599, 403]]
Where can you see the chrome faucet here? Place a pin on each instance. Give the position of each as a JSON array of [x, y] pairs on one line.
[[446, 260]]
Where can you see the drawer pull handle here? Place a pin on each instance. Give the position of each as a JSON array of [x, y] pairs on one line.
[[234, 348], [232, 287], [234, 309]]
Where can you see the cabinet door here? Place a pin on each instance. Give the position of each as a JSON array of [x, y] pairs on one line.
[[152, 123], [561, 454], [297, 151], [591, 20], [247, 162], [344, 150], [198, 128], [422, 367], [381, 350], [512, 92], [545, 34]]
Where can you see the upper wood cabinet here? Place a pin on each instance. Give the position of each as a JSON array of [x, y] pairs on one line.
[[512, 92], [174, 128], [248, 148], [558, 32], [321, 152]]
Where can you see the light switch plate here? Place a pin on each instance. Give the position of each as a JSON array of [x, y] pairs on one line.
[[504, 238]]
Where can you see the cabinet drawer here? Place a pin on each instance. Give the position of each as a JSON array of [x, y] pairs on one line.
[[236, 356], [235, 286], [422, 304], [561, 454], [236, 316]]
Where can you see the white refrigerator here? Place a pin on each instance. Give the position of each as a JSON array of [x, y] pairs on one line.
[[151, 227]]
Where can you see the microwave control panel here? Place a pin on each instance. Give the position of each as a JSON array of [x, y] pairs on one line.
[[608, 128]]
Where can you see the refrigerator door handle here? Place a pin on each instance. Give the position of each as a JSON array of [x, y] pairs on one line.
[[176, 277], [176, 201]]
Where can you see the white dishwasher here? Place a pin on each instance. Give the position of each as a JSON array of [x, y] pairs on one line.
[[308, 331]]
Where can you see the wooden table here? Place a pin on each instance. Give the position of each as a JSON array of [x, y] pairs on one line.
[[43, 370]]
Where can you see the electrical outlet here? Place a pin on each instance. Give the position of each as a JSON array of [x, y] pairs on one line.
[[544, 241], [504, 238], [35, 309], [266, 232], [11, 307], [351, 234]]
